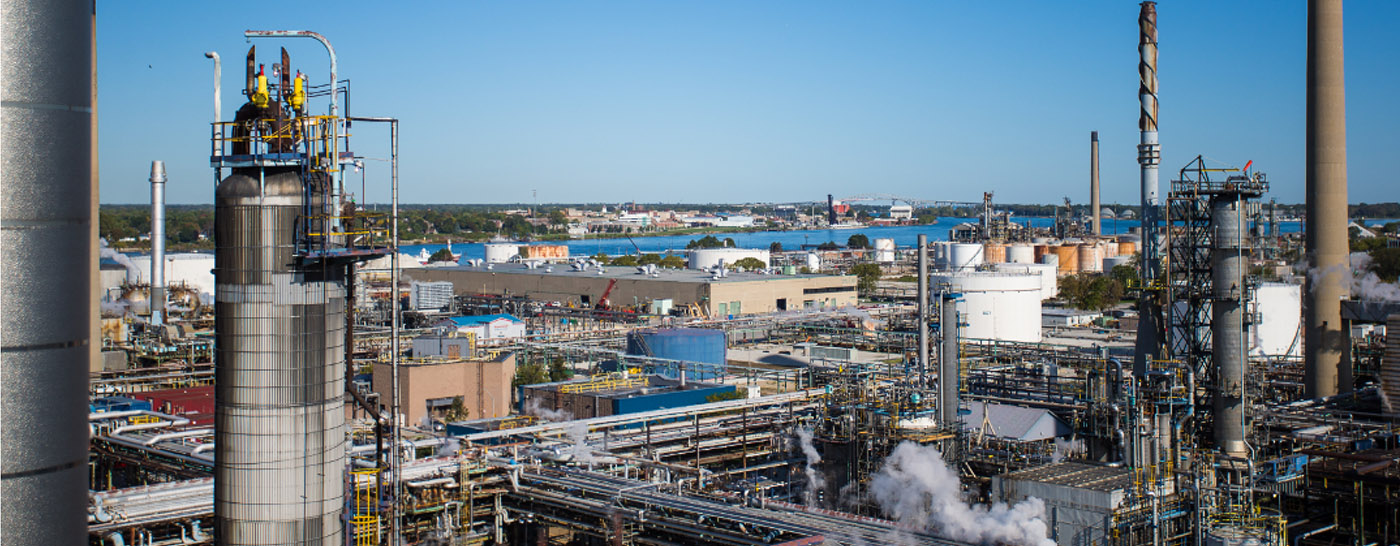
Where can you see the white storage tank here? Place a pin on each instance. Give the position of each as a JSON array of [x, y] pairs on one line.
[[995, 305], [938, 254], [814, 262], [1020, 253], [884, 250], [1090, 260], [962, 256], [499, 253], [1049, 276], [1278, 331], [705, 258], [191, 268]]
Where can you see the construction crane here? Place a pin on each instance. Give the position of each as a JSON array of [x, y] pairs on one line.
[[603, 303]]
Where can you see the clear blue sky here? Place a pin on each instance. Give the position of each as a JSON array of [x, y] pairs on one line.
[[756, 101]]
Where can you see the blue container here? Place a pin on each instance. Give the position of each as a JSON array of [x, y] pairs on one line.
[[691, 396], [702, 349]]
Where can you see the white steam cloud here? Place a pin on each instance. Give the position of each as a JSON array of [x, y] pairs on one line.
[[579, 450], [815, 481], [1365, 285], [916, 489], [133, 273]]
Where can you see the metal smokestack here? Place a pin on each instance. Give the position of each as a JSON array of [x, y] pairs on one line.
[[923, 310], [1327, 372], [157, 242], [1149, 156], [1094, 181], [1229, 263], [830, 210], [47, 204]]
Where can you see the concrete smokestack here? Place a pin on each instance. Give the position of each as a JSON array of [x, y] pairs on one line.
[[1149, 156], [1094, 181], [46, 312], [157, 242], [1327, 372], [830, 209]]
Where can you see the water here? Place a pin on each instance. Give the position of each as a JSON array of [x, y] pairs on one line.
[[904, 237]]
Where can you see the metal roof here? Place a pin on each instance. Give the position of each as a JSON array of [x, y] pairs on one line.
[[1013, 422], [482, 319]]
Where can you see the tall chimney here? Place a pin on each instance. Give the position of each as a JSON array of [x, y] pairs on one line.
[[1149, 155], [157, 242], [46, 216], [830, 209], [923, 309], [1094, 181], [1326, 235]]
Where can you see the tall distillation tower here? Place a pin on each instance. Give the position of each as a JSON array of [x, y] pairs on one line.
[[285, 243]]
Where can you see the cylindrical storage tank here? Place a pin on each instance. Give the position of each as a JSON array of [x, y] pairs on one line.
[[1108, 249], [705, 258], [1115, 261], [1051, 259], [279, 416], [499, 253], [1126, 248], [999, 306], [938, 254], [1232, 536], [1041, 241], [1069, 258], [1020, 254], [1049, 278], [994, 253], [1041, 251], [884, 250], [814, 262], [1280, 313], [964, 256], [1089, 259], [702, 349]]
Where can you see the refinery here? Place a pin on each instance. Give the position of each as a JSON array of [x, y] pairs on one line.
[[314, 381]]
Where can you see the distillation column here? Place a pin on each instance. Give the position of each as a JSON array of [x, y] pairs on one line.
[[1229, 263], [1328, 371], [923, 310], [948, 361], [47, 213], [280, 374]]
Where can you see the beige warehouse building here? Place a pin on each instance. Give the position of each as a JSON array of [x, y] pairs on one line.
[[735, 294], [429, 386]]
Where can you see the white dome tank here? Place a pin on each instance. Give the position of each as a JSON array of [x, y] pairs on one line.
[[884, 250], [1020, 253], [998, 306], [499, 253], [704, 258], [1280, 310], [963, 256]]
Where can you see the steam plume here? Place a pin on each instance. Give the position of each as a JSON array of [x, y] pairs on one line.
[[815, 481]]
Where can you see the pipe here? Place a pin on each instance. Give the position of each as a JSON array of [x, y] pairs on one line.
[[1094, 181], [181, 434], [177, 422], [304, 34], [1298, 540], [218, 82], [48, 217], [1149, 156], [923, 310], [1326, 244], [157, 242]]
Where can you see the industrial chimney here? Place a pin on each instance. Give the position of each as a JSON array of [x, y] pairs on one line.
[[1149, 156], [1324, 343], [830, 209], [158, 242], [1094, 181]]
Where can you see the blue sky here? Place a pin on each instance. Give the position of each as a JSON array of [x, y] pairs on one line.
[[756, 101]]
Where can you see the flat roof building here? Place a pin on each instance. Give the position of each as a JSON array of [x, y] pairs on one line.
[[430, 386], [737, 293]]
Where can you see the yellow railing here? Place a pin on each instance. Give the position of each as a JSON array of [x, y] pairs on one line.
[[365, 519], [605, 383]]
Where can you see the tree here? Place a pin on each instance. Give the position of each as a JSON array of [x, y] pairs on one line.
[[708, 241], [775, 247], [559, 370], [1090, 291], [649, 259], [750, 263], [867, 275], [558, 218], [829, 245], [673, 262], [625, 261], [442, 255], [529, 374], [458, 411], [858, 240], [729, 242], [1385, 263]]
